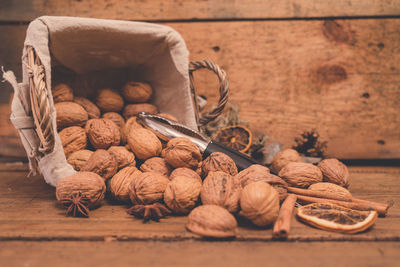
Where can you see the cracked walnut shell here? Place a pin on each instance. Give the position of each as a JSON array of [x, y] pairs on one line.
[[72, 139], [92, 110], [212, 221], [185, 172], [181, 152], [120, 182], [334, 171], [259, 202], [123, 157], [220, 188], [283, 158], [102, 163], [156, 164], [144, 143], [218, 161], [62, 92], [147, 188], [79, 158], [181, 194], [299, 174], [88, 184], [259, 173], [139, 92], [70, 114], [102, 133]]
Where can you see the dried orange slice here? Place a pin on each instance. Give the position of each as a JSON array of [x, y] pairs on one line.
[[237, 137], [335, 218]]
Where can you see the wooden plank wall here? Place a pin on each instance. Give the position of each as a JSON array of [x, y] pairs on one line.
[[292, 65]]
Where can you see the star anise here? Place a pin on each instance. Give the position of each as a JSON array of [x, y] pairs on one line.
[[76, 205], [149, 212]]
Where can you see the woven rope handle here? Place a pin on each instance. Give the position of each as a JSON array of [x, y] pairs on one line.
[[40, 103], [223, 88]]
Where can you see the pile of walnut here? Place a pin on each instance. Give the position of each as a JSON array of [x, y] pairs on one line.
[[158, 179]]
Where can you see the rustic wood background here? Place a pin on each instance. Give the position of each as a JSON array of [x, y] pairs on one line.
[[292, 65]]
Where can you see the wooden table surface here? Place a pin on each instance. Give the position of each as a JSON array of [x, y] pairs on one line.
[[35, 232]]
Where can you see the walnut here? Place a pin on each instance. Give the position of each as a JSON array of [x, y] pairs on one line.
[[218, 161], [181, 152], [102, 163], [73, 138], [168, 116], [92, 110], [123, 157], [62, 92], [88, 184], [283, 158], [130, 125], [182, 194], [301, 174], [144, 143], [220, 188], [109, 100], [139, 92], [70, 114], [102, 133], [185, 172], [120, 182], [79, 158], [212, 221], [335, 172], [115, 117], [259, 202], [331, 188], [134, 109], [147, 188], [256, 173], [156, 164]]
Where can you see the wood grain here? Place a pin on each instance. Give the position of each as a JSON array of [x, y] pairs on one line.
[[150, 10], [29, 212], [199, 254], [340, 77]]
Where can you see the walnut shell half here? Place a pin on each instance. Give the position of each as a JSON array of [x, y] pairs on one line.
[[212, 221], [89, 184]]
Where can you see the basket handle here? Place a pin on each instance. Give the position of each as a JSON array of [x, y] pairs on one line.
[[223, 89]]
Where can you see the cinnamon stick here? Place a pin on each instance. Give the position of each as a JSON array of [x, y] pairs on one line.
[[356, 205], [283, 222], [320, 194]]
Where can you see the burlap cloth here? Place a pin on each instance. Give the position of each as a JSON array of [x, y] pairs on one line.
[[88, 46]]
